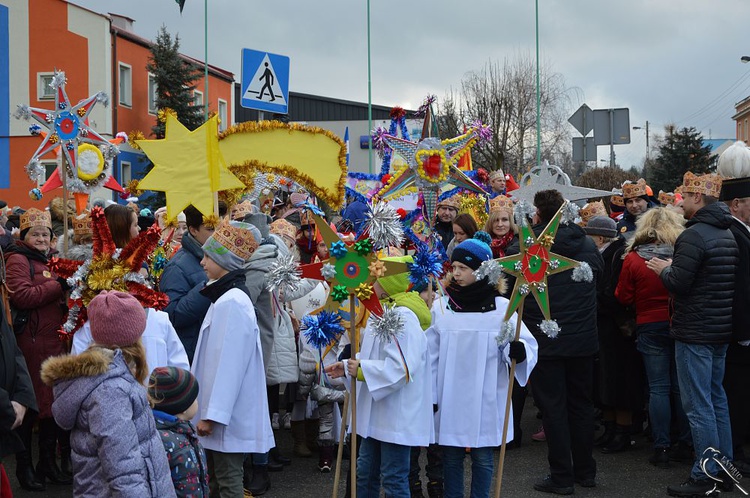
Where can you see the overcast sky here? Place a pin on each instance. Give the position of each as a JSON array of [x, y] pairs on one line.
[[667, 60]]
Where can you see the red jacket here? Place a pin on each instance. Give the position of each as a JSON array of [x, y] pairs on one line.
[[643, 288]]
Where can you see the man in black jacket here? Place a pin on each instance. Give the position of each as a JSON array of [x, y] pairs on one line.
[[447, 210], [562, 381], [701, 280]]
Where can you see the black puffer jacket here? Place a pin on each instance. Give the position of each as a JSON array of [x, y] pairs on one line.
[[701, 278], [572, 304]]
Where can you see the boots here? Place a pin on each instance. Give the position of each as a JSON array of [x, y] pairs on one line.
[[275, 456], [311, 434], [435, 489], [415, 489], [25, 473], [607, 435], [259, 483], [65, 465], [326, 458], [300, 441], [620, 442], [47, 467]]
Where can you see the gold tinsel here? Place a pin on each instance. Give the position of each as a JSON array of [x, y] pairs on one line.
[[133, 136], [162, 114], [476, 207], [132, 187], [211, 221], [104, 275]]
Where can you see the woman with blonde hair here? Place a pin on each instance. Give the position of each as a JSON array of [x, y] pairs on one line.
[[500, 225], [655, 235]]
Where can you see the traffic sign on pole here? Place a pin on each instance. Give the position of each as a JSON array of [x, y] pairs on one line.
[[584, 151], [612, 126], [582, 120], [265, 81]]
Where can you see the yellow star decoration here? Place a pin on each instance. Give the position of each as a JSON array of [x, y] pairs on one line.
[[188, 166]]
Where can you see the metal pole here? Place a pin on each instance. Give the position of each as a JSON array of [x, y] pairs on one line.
[[205, 70], [648, 150], [369, 95], [354, 340], [612, 138], [538, 100]]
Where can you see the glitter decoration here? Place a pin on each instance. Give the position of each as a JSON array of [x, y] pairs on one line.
[[35, 194], [384, 226], [321, 329], [491, 270], [338, 249], [388, 325], [550, 328], [328, 271], [507, 333], [583, 273], [284, 275], [339, 293]]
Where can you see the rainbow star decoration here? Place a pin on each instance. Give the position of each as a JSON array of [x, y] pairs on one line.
[[350, 270]]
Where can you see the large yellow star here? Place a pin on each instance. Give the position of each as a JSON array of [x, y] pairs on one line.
[[188, 166]]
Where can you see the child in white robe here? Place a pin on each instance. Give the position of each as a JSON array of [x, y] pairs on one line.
[[470, 371]]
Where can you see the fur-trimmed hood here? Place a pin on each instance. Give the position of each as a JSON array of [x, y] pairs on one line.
[[73, 378], [77, 252]]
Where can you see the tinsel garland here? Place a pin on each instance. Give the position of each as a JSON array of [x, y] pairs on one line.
[[582, 273], [550, 328], [284, 275], [102, 237], [322, 329], [491, 270], [476, 207], [211, 221], [64, 268], [133, 138], [138, 250], [569, 212], [148, 297], [523, 212], [507, 333], [387, 326], [350, 192]]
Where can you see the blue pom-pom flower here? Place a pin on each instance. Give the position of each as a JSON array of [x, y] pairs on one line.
[[322, 329]]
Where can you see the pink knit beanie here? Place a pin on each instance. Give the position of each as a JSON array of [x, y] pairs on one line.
[[116, 319]]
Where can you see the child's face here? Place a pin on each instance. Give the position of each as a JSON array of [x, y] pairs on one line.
[[322, 250], [212, 268], [463, 275], [190, 413], [428, 296]]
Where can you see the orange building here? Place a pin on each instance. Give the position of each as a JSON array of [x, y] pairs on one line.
[[742, 119], [98, 52]]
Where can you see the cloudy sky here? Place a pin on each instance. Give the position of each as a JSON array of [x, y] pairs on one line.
[[666, 60]]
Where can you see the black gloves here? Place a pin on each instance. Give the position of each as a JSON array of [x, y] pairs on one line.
[[517, 351], [63, 284]]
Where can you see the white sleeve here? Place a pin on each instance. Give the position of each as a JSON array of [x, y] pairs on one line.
[[82, 339]]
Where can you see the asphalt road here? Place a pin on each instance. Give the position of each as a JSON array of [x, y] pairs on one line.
[[626, 475]]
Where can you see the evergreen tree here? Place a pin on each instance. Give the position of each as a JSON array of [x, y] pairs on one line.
[[680, 151], [175, 81]]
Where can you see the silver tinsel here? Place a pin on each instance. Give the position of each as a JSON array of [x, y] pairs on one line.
[[550, 328], [102, 98], [284, 275], [137, 278], [57, 80], [507, 334], [384, 226], [328, 271], [22, 112], [523, 289], [569, 212], [70, 323], [35, 170], [490, 269], [109, 151], [523, 212], [389, 325], [582, 273]]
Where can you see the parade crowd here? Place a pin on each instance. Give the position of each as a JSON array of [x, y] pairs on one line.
[[653, 335]]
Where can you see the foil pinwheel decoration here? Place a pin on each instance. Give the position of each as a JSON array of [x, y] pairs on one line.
[[532, 265], [85, 151], [350, 269]]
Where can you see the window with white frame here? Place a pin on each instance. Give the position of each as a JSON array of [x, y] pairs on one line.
[[223, 119], [50, 168], [152, 94], [126, 85], [197, 98], [44, 90], [126, 173]]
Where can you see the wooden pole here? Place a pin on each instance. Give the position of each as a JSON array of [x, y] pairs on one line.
[[353, 399], [340, 454], [64, 171], [511, 375]]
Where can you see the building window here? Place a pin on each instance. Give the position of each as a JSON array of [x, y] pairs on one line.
[[197, 98], [126, 85], [126, 173], [44, 91], [50, 168], [223, 120], [151, 94]]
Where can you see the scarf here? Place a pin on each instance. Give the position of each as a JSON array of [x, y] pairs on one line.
[[478, 297], [499, 244], [415, 303]]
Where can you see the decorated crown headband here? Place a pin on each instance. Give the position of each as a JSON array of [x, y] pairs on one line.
[[82, 225], [237, 240], [284, 228], [708, 184], [590, 210], [617, 199], [501, 203], [666, 198], [498, 173], [631, 190], [243, 209], [453, 201], [35, 218]]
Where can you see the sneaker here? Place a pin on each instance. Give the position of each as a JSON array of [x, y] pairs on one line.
[[275, 421], [539, 435], [660, 458], [693, 488], [286, 421], [547, 485]]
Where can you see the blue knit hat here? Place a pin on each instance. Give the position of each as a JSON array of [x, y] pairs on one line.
[[472, 252]]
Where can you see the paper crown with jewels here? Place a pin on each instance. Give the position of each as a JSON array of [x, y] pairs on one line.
[[617, 199], [35, 218], [666, 198], [82, 224], [284, 228], [708, 184], [236, 239], [497, 173], [590, 210], [631, 190], [453, 201], [243, 209], [501, 203]]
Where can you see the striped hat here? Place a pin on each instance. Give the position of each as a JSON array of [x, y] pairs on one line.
[[173, 389]]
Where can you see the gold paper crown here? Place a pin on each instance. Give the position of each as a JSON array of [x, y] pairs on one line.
[[82, 224], [36, 218], [617, 199], [666, 198], [590, 210], [501, 203], [631, 190], [236, 239], [243, 209], [282, 227], [708, 184], [497, 173], [678, 189], [453, 201]]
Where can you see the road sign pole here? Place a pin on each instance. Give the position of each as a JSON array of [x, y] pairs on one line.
[[612, 138]]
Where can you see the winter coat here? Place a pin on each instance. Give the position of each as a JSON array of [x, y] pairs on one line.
[[322, 388], [642, 287], [115, 448], [445, 231], [701, 278], [276, 331], [356, 212], [43, 296], [182, 281], [15, 385], [187, 460], [741, 306], [572, 304]]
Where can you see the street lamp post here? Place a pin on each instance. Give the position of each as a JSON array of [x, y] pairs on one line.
[[648, 150]]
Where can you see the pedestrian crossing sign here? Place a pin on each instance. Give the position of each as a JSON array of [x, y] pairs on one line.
[[265, 81]]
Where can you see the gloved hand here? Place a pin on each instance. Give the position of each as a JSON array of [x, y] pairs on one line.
[[63, 284], [517, 351]]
